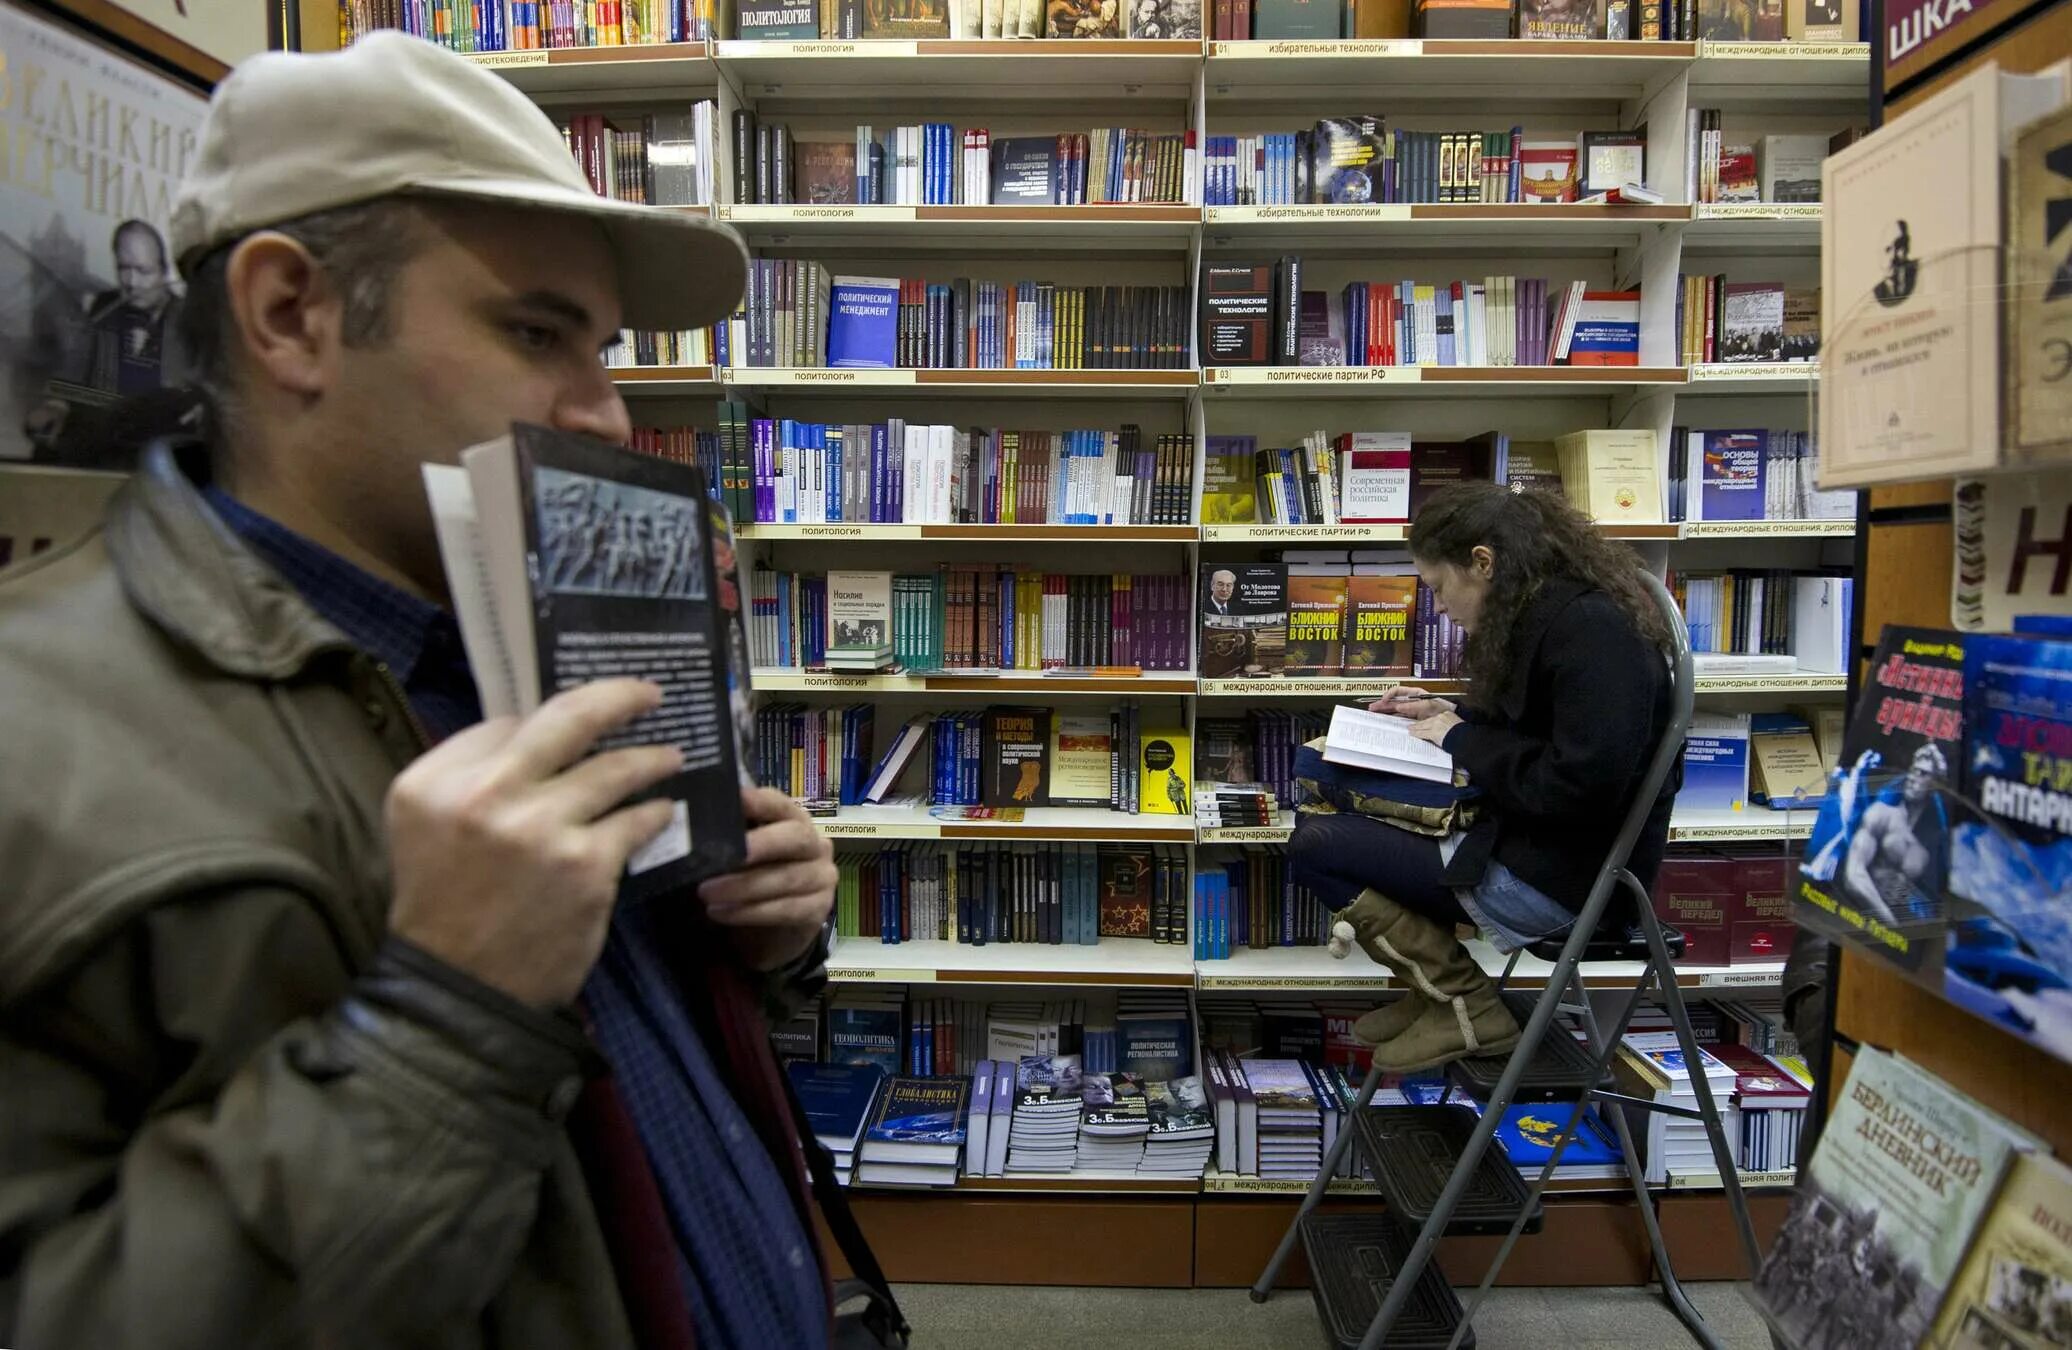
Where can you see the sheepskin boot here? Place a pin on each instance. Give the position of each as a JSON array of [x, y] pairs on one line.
[[1451, 1008]]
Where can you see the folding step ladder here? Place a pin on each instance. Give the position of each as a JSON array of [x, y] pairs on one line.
[[1373, 1275]]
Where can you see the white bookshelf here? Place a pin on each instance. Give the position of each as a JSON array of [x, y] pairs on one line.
[[1113, 962], [1038, 824]]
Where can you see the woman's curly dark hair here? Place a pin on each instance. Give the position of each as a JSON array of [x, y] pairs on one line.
[[1534, 535]]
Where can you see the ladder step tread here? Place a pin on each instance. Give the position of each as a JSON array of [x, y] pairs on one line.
[[1558, 1072], [1412, 1151], [1352, 1259]]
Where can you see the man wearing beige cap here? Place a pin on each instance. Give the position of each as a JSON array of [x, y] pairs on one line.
[[318, 1023]]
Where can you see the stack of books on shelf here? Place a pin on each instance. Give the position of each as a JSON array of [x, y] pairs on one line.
[[1290, 1116], [916, 1138], [840, 1101], [657, 159], [1776, 168], [981, 894], [900, 472], [1649, 1065], [1360, 160], [1114, 1120], [1750, 474], [1765, 1115], [1044, 1128], [532, 25], [939, 164], [1182, 1134], [1732, 322], [797, 313], [1223, 806], [1258, 314], [975, 618]]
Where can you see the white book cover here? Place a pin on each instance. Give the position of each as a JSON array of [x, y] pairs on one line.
[[1820, 624], [914, 498], [1910, 319]]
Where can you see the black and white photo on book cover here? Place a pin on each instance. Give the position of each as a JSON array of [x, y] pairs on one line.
[[89, 295]]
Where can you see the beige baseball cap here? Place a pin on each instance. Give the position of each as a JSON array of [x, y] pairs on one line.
[[288, 134]]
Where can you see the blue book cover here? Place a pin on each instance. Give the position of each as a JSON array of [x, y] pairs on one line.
[[1715, 763], [2010, 954], [1528, 1132], [917, 1110], [1730, 475], [863, 323], [837, 1099], [1154, 1047], [864, 1036], [1605, 342]]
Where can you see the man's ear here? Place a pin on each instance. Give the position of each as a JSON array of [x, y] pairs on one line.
[[288, 314]]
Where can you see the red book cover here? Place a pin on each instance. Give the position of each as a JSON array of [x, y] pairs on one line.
[[1758, 1082], [1694, 896], [1763, 930]]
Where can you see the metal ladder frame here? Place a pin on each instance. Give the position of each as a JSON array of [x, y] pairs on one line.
[[1566, 980]]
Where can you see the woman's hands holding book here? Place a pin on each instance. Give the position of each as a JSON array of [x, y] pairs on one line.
[[1407, 700]]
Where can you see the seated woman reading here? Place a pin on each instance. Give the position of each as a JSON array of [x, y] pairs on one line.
[[1568, 697]]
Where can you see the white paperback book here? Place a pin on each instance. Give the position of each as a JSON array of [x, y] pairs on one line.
[[1369, 740]]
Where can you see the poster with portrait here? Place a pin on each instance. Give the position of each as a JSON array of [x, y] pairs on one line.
[[89, 297]]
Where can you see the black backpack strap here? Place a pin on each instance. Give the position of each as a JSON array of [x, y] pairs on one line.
[[888, 1326]]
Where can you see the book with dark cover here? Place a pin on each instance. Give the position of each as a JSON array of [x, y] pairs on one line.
[[1155, 1045], [919, 1119], [1113, 1103], [2011, 867], [1377, 626], [1025, 171], [550, 597], [837, 1100], [1438, 464], [1877, 864], [1126, 885], [1348, 157], [1047, 1085], [1082, 19], [1561, 20], [1752, 322], [1017, 755], [1460, 18], [864, 1034], [827, 172], [1296, 20], [785, 21], [1179, 1109], [1903, 1176], [1244, 620], [1237, 314], [912, 19], [1316, 625]]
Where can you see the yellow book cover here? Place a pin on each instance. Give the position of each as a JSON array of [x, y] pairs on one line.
[[2014, 1291], [1612, 475], [1165, 769]]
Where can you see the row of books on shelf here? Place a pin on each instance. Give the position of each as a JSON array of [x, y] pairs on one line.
[[1006, 759], [1251, 902], [943, 164], [797, 314], [985, 894], [1782, 168], [527, 25], [1757, 322], [533, 25], [976, 617], [1750, 473], [1360, 160], [1957, 1214], [914, 473], [656, 159], [1258, 314], [1780, 760], [1799, 619]]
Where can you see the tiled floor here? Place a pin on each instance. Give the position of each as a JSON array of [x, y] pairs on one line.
[[996, 1317]]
